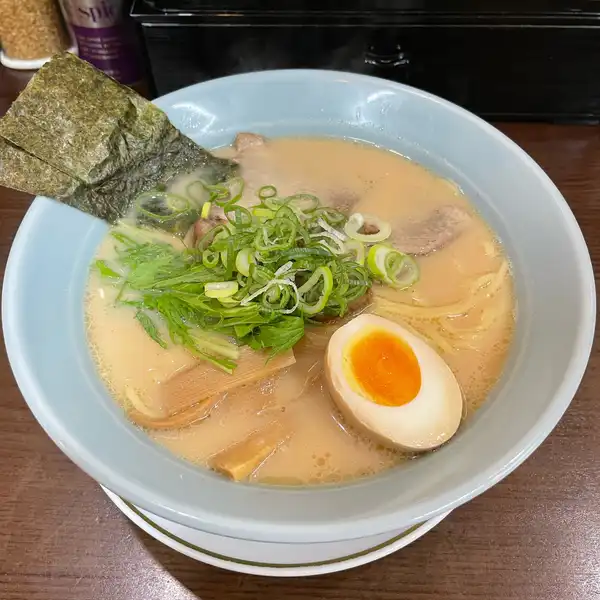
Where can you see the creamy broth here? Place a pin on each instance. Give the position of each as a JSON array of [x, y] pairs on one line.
[[324, 448]]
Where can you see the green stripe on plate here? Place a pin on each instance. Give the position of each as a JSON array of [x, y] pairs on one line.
[[262, 564]]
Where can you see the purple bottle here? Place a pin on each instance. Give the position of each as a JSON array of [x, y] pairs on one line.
[[105, 37]]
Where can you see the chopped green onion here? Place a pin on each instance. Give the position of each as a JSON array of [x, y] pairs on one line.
[[260, 274], [164, 210], [205, 212], [176, 204], [229, 302], [326, 275], [190, 191], [228, 258], [305, 203], [274, 203], [393, 267], [221, 289], [330, 215], [303, 253], [243, 260], [376, 260], [271, 284], [285, 212], [239, 217], [267, 191], [210, 258], [284, 268], [218, 192], [276, 298], [236, 189], [356, 250], [356, 222], [263, 213], [338, 246], [216, 233], [338, 234], [225, 194], [277, 234]]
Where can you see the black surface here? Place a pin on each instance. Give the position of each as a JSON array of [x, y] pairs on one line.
[[502, 60], [469, 13]]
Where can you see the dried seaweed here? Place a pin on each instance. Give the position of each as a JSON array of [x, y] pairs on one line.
[[76, 135]]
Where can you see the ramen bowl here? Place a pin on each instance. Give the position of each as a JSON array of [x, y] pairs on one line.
[[45, 333]]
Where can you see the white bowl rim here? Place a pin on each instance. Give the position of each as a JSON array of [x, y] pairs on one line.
[[314, 532]]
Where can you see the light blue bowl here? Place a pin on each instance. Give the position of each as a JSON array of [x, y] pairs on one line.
[[44, 328]]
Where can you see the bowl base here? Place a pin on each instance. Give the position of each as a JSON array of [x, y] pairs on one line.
[[270, 559]]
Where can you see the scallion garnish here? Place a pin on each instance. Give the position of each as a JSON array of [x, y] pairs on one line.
[[357, 221], [392, 266], [255, 279]]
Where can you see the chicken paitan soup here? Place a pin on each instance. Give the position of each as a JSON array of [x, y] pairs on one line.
[[330, 312]]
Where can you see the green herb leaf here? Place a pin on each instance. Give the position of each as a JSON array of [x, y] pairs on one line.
[[105, 271], [279, 336], [148, 324], [195, 274]]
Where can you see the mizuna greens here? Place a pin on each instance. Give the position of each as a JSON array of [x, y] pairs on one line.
[[253, 279]]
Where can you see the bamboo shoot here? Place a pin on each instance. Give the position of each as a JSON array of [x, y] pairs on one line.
[[241, 460], [203, 380], [189, 416]]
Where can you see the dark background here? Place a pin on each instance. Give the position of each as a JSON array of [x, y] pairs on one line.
[[504, 60]]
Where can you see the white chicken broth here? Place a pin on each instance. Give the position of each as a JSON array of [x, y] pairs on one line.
[[461, 307]]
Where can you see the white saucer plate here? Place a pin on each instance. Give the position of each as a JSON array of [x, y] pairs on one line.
[[271, 559]]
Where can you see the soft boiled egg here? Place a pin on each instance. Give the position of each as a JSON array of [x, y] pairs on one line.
[[392, 384]]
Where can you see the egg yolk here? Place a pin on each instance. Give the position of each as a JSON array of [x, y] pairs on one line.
[[385, 367]]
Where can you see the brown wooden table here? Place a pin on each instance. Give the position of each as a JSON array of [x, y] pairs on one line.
[[535, 536]]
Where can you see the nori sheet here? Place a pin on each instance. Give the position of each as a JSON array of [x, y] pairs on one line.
[[76, 135]]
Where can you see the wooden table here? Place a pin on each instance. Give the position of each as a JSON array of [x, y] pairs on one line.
[[535, 536]]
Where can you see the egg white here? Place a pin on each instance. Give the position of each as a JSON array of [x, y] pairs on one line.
[[430, 419]]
